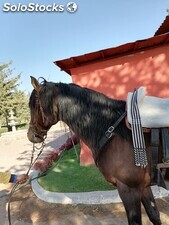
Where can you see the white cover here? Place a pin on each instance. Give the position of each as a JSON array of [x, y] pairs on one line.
[[154, 111]]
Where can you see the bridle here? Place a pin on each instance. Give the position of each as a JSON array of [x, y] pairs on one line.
[[42, 133]]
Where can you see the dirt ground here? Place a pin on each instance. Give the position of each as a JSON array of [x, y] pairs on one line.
[[27, 209]]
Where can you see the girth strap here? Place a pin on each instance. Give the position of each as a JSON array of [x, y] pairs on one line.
[[110, 131], [137, 133]]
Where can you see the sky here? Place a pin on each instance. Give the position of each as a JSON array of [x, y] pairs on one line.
[[34, 40]]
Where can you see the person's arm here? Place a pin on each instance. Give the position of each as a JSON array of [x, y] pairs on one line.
[[5, 177], [13, 178]]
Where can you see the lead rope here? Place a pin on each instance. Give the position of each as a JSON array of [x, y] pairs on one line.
[[40, 149], [17, 184], [9, 202], [30, 166], [73, 144]]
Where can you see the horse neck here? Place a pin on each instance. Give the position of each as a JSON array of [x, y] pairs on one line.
[[88, 113]]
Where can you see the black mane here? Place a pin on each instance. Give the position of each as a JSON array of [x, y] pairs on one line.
[[88, 113]]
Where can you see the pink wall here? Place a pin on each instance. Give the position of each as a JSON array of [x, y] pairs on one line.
[[117, 77]]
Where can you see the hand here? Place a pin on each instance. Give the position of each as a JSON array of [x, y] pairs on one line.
[[21, 179]]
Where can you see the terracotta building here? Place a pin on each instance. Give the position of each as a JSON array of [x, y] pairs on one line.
[[118, 70]]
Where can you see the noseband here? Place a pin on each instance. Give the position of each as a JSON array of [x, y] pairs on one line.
[[42, 133]]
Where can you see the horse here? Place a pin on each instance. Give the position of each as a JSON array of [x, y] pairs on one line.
[[89, 114]]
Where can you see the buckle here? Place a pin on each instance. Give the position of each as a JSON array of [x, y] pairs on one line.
[[109, 132]]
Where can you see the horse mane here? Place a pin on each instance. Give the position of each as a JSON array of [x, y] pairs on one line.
[[83, 110]]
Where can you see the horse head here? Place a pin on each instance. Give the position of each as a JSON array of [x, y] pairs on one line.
[[43, 111]]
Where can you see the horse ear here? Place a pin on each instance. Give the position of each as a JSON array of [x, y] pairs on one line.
[[35, 83]]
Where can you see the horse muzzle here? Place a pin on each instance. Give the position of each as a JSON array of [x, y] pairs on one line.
[[35, 137]]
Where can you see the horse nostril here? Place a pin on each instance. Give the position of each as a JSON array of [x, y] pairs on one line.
[[37, 138]]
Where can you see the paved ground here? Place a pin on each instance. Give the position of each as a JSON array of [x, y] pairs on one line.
[[27, 209], [16, 149]]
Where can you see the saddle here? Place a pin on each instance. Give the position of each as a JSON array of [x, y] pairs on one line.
[[154, 111], [150, 113]]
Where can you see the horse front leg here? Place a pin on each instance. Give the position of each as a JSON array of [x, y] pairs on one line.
[[150, 206], [131, 198]]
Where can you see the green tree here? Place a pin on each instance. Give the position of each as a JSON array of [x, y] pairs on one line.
[[10, 97], [21, 107]]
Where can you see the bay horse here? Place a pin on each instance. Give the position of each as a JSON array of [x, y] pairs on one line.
[[89, 114]]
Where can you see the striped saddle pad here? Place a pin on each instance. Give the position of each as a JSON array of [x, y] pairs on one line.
[[154, 111]]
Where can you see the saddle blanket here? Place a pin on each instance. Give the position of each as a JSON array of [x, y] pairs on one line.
[[154, 111]]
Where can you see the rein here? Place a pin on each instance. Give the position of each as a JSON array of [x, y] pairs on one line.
[[40, 149], [32, 161]]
